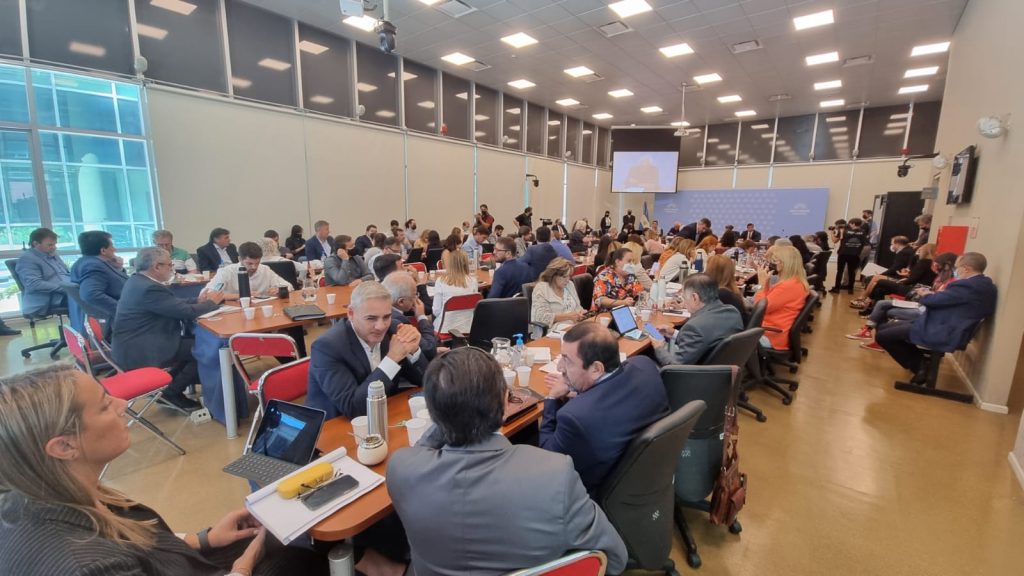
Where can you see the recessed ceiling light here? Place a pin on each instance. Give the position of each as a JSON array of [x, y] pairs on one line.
[[767, 135], [813, 20], [835, 119], [578, 71], [676, 50], [519, 39], [895, 124], [239, 82], [567, 102], [87, 49], [913, 89], [364, 87], [745, 113], [461, 95], [930, 49], [915, 72], [840, 138], [588, 132], [760, 126], [481, 117], [729, 98], [428, 104], [312, 47], [723, 147], [893, 132], [620, 93], [178, 6], [150, 31], [429, 2], [554, 122], [627, 8], [825, 58], [837, 130], [829, 85], [602, 116], [364, 22], [318, 99], [712, 140], [458, 58], [651, 109], [408, 76], [513, 110], [832, 103], [553, 137], [899, 116], [684, 123], [274, 64], [514, 128], [385, 113], [707, 78], [522, 84]]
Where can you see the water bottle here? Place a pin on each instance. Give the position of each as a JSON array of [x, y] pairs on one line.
[[377, 410], [684, 270], [243, 283], [698, 262], [662, 293]]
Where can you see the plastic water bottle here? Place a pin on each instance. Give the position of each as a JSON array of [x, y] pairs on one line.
[[698, 262], [662, 291], [377, 410]]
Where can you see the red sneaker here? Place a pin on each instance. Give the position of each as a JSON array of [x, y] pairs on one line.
[[872, 346], [863, 334]]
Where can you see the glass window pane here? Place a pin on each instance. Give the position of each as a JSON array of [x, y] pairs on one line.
[[535, 139], [420, 83], [721, 148], [456, 106], [588, 143], [96, 150], [135, 153], [923, 127], [881, 132], [262, 54], [140, 194], [326, 71], [691, 147], [836, 132], [572, 138], [73, 101], [10, 28], [793, 142], [13, 98], [604, 136], [377, 85], [130, 114], [185, 49], [57, 192], [88, 33], [17, 187], [512, 127], [486, 115], [756, 141], [555, 125]]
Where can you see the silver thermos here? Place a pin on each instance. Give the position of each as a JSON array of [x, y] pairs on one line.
[[377, 410]]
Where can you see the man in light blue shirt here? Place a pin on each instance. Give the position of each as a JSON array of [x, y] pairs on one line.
[[544, 235], [475, 241]]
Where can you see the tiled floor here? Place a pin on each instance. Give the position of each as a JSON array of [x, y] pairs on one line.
[[853, 478]]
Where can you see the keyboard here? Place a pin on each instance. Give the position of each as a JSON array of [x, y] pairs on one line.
[[261, 469]]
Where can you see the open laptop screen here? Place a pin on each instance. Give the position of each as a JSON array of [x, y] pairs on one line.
[[625, 322], [289, 432]]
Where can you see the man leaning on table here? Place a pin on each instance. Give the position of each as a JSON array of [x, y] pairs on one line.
[[471, 501], [263, 281]]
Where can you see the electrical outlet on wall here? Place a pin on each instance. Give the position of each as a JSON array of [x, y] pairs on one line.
[[974, 227]]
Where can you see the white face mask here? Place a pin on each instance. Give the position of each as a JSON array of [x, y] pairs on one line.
[[629, 268]]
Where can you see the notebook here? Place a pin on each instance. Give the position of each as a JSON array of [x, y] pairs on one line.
[[285, 442], [625, 323], [304, 312]]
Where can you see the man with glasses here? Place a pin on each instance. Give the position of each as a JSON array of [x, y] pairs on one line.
[[148, 325], [512, 272], [180, 259]]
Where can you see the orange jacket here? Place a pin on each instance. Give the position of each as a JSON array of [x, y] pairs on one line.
[[785, 300]]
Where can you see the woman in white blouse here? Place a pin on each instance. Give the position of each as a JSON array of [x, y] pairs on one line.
[[554, 297], [682, 254], [456, 280]]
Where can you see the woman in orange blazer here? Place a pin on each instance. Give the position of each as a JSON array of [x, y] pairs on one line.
[[786, 297]]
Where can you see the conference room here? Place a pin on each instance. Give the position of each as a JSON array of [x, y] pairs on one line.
[[784, 224]]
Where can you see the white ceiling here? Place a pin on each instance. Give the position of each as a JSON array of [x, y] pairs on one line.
[[568, 36]]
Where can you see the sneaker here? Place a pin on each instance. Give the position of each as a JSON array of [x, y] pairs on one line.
[[863, 334], [872, 346], [8, 331], [180, 402], [858, 304]]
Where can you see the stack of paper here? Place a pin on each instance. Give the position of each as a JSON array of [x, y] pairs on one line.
[[221, 310]]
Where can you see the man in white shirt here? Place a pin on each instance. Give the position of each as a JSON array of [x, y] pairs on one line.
[[410, 230], [476, 240], [263, 281]]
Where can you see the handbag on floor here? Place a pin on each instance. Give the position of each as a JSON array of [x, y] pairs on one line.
[[730, 491]]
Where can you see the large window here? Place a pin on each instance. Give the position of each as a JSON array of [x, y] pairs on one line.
[[512, 125], [13, 97], [262, 54], [17, 185], [487, 111], [923, 127], [420, 84], [185, 49], [536, 142], [691, 148], [555, 122], [882, 130], [588, 143], [722, 144], [326, 71], [572, 139], [793, 142], [10, 28], [377, 85], [756, 141], [835, 135], [604, 144], [456, 106], [87, 33]]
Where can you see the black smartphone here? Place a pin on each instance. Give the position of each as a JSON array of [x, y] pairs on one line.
[[335, 488]]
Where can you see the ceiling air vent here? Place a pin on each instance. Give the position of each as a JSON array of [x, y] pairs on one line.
[[592, 78], [779, 97], [455, 8], [748, 46], [477, 66], [858, 61], [614, 28]]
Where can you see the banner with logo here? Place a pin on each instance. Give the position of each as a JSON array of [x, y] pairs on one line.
[[773, 211]]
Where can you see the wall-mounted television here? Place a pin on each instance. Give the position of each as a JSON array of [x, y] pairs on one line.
[[961, 181], [645, 171]]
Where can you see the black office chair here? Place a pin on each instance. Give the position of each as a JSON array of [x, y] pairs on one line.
[[638, 496], [584, 289], [528, 292], [699, 465], [933, 359], [790, 358], [494, 318], [59, 311], [738, 350], [432, 258], [286, 270], [415, 255], [647, 261], [819, 262]]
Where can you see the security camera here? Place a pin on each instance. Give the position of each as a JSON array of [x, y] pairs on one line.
[[386, 36], [534, 179], [903, 169]]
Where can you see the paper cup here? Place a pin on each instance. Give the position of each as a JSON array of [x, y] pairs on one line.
[[268, 311], [415, 427], [206, 274], [523, 373], [424, 415], [245, 301], [605, 320], [645, 315], [490, 273], [250, 313], [331, 298], [510, 377], [360, 427], [417, 403]]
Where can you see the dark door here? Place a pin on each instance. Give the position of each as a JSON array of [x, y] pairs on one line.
[[897, 219]]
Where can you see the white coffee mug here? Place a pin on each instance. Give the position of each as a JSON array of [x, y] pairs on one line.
[[331, 298]]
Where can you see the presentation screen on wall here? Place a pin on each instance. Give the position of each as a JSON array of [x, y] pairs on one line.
[[772, 211], [645, 171]]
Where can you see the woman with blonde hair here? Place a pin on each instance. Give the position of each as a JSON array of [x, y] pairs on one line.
[[554, 296], [880, 286], [786, 297], [456, 281], [422, 240], [683, 251], [653, 245], [58, 431], [723, 270]]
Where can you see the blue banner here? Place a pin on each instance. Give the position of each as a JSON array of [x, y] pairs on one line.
[[773, 211]]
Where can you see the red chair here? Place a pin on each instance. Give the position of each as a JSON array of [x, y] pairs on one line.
[[248, 344], [286, 382], [579, 269], [583, 563], [417, 266], [486, 257], [454, 304], [131, 385]]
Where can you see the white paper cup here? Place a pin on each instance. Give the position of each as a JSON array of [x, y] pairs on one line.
[[605, 320], [490, 273], [524, 372], [417, 403], [268, 311], [331, 298], [415, 427], [510, 377], [424, 415], [360, 427], [645, 315], [250, 313], [206, 274], [245, 301]]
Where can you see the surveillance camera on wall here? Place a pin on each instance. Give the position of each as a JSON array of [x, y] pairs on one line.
[[903, 169], [386, 36]]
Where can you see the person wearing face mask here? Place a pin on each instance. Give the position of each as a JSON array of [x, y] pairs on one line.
[[903, 263], [596, 404], [484, 218], [411, 232], [710, 322], [785, 297], [617, 284], [849, 243], [606, 222]]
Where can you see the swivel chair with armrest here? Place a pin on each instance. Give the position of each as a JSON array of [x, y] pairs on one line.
[[60, 311], [738, 350]]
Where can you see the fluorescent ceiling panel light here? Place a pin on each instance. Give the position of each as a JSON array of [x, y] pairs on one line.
[[364, 22], [513, 110], [813, 20], [429, 2], [899, 116], [651, 109], [464, 96], [841, 138], [627, 8], [482, 117], [767, 135], [712, 140], [684, 123], [832, 103], [729, 98], [364, 87], [925, 49], [514, 128], [519, 39], [178, 6], [405, 75], [567, 102], [825, 58], [895, 124], [588, 132], [916, 72], [578, 71], [620, 93], [745, 113], [554, 122], [707, 78], [87, 49], [676, 50], [835, 118], [312, 47], [428, 104], [722, 147], [318, 99], [458, 58], [479, 134], [893, 132], [274, 64], [837, 130], [242, 83], [914, 89], [760, 126], [385, 113], [150, 31], [521, 84], [552, 137], [829, 85], [780, 141], [602, 116]]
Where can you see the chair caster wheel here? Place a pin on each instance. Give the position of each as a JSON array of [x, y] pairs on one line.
[[762, 418], [693, 560], [793, 387], [26, 354], [735, 527], [786, 400]]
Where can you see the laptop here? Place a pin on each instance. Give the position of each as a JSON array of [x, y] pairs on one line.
[[415, 255], [285, 442], [625, 323]]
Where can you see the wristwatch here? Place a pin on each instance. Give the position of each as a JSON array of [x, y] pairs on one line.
[[204, 539]]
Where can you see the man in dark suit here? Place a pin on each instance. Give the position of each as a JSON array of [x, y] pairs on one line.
[[407, 308], [219, 251], [629, 220], [517, 505], [710, 322], [904, 258], [367, 346], [321, 245], [365, 242], [538, 257], [750, 233], [696, 231], [948, 318], [99, 274], [613, 402], [148, 325], [513, 272]]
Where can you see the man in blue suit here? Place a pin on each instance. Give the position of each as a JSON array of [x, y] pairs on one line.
[[41, 272], [321, 245], [948, 319], [597, 405], [513, 273], [538, 257], [219, 251], [99, 274], [367, 346]]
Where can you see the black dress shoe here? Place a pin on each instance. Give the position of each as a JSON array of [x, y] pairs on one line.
[[8, 331], [181, 402], [835, 291]]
